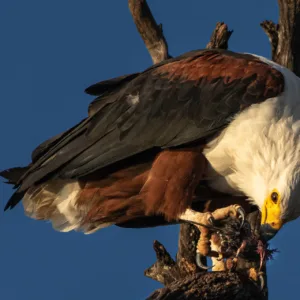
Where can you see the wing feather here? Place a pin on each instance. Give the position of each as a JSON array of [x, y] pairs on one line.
[[171, 104]]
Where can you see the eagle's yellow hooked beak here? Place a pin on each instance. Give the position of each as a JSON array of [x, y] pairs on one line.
[[271, 216]]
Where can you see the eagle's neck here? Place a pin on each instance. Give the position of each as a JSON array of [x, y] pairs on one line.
[[260, 144], [258, 151], [231, 154]]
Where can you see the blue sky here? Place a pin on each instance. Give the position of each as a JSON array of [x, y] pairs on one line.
[[50, 52]]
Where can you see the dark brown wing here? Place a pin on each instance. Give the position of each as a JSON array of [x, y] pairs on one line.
[[171, 104]]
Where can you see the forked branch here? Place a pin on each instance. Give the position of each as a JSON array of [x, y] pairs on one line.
[[271, 30], [151, 33], [220, 36], [284, 37]]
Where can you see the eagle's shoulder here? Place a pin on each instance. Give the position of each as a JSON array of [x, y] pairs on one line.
[[211, 65], [179, 102]]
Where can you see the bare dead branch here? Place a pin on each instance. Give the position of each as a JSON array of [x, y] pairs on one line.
[[165, 269], [271, 29], [220, 36], [288, 28], [150, 32], [286, 51], [187, 244], [208, 286]]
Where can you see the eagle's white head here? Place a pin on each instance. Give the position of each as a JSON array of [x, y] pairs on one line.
[[272, 177], [262, 146], [270, 172]]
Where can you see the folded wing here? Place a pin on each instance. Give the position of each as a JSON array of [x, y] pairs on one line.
[[172, 104]]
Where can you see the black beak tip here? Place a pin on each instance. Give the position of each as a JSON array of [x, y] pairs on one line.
[[267, 232]]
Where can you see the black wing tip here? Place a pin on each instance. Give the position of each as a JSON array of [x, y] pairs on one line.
[[90, 90], [10, 206], [13, 174], [4, 173], [96, 89], [7, 206], [14, 200]]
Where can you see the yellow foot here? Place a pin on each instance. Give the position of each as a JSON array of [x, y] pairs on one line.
[[206, 224]]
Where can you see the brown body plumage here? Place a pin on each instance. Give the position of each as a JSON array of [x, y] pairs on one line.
[[138, 155]]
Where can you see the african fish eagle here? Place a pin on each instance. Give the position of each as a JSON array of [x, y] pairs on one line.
[[150, 138]]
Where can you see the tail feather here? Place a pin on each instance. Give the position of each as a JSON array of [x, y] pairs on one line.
[[14, 200], [54, 201]]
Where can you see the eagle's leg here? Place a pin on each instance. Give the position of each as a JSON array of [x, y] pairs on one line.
[[218, 264], [203, 245], [205, 223]]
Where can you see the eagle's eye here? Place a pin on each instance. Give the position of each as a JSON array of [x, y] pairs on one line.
[[274, 197]]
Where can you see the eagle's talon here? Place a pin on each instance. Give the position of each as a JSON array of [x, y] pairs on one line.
[[199, 262], [261, 281], [211, 220], [241, 215]]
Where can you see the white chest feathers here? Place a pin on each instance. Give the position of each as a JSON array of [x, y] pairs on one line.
[[259, 149]]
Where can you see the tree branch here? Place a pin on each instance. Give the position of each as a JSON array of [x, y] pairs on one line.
[[165, 270], [220, 36], [271, 29], [151, 33], [208, 286], [284, 36]]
